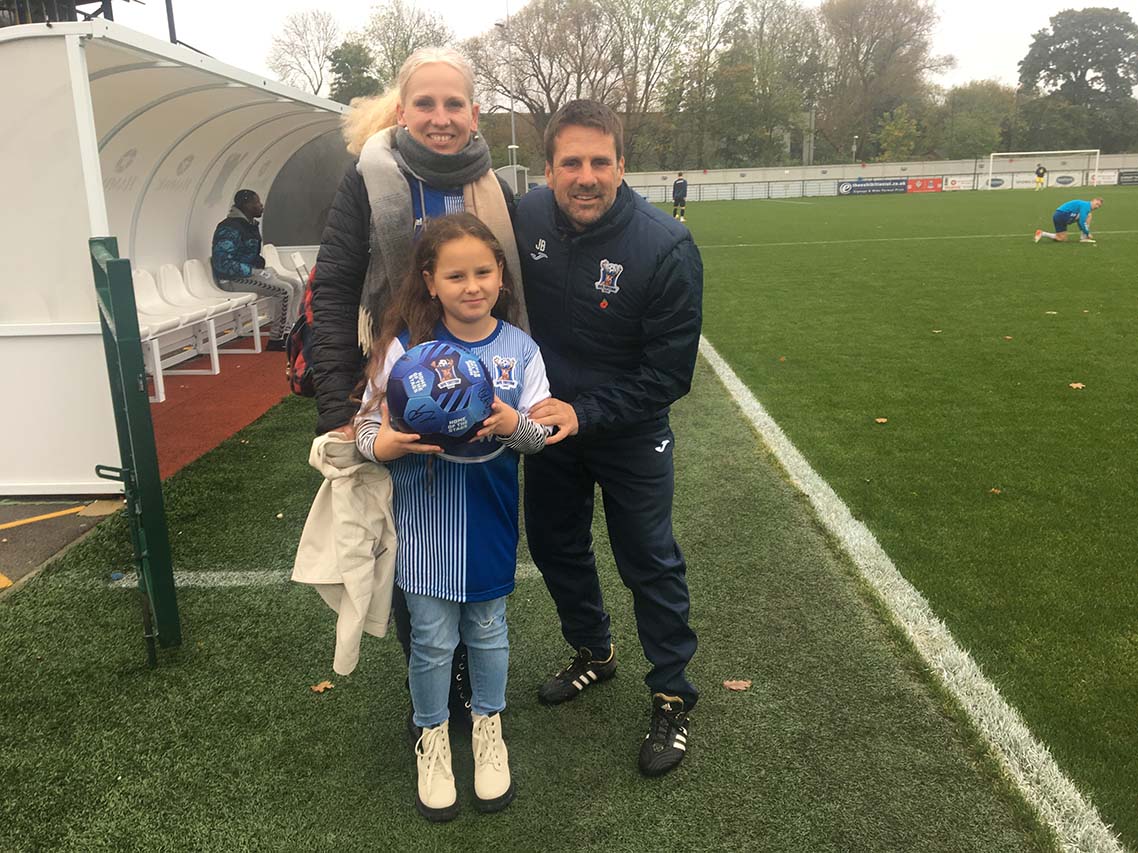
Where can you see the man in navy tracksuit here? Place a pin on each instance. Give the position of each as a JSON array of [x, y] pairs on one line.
[[679, 197], [614, 289]]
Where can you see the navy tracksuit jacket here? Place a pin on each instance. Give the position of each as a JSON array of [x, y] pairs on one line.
[[616, 310]]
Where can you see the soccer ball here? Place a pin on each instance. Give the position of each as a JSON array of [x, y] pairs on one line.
[[442, 392]]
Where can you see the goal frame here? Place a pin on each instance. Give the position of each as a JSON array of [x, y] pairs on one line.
[[1097, 152]]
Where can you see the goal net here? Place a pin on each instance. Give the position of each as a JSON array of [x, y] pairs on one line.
[[1016, 169]]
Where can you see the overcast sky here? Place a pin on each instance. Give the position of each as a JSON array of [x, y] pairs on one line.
[[987, 37]]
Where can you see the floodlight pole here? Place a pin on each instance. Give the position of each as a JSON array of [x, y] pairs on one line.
[[854, 150], [513, 128], [170, 21], [513, 147]]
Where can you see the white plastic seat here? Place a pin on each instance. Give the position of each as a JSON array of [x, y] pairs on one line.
[[173, 290], [199, 281], [150, 324], [200, 284], [160, 316], [153, 311], [273, 261]]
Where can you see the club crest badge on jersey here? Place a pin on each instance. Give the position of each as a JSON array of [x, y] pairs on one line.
[[504, 372], [444, 369], [610, 272]]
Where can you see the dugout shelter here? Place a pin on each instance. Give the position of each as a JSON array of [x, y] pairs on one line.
[[113, 133]]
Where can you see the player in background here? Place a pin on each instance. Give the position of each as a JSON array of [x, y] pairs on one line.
[[1040, 176], [679, 196], [1073, 211]]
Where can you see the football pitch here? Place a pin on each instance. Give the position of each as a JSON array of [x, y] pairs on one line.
[[1002, 482], [1001, 493]]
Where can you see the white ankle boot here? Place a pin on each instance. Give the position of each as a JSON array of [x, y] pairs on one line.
[[493, 788], [437, 799]]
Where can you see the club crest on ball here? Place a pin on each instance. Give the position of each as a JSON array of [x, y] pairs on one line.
[[444, 369]]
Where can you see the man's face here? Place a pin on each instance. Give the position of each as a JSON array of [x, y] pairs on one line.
[[253, 208], [1096, 203], [585, 174]]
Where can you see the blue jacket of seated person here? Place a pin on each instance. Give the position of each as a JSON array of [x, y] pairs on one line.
[[236, 250]]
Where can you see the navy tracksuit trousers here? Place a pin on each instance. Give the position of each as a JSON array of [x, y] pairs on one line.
[[635, 472]]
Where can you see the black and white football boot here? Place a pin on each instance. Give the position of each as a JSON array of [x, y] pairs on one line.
[[581, 672], [666, 743]]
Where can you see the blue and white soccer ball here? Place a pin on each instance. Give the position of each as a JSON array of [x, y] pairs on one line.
[[443, 392]]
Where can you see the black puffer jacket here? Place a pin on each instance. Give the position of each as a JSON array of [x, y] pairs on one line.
[[616, 309], [341, 267]]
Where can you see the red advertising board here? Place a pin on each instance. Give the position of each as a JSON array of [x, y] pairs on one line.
[[926, 185]]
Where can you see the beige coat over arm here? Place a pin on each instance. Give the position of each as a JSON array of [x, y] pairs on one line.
[[347, 549]]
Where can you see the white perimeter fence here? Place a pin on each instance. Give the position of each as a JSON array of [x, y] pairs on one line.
[[880, 178]]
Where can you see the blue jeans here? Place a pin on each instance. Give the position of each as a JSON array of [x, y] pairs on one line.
[[436, 625]]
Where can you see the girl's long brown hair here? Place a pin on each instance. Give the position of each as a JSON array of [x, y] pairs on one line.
[[415, 310]]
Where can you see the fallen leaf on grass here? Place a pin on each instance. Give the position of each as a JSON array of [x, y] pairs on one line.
[[1050, 312], [881, 420], [737, 686], [1007, 337], [995, 491], [1078, 386], [937, 331], [782, 358], [280, 515], [322, 686]]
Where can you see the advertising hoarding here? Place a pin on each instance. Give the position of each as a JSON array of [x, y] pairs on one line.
[[873, 186], [997, 182], [925, 185]]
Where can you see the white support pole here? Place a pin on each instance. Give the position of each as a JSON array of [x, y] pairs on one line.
[[88, 138]]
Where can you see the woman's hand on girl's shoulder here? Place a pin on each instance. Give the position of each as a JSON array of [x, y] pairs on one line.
[[390, 444], [503, 421]]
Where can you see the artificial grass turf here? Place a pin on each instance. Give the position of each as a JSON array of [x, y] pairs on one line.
[[1038, 578], [841, 744]]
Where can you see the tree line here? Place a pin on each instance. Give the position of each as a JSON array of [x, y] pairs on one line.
[[731, 83]]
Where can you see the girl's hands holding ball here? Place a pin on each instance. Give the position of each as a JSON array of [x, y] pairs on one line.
[[503, 421], [391, 444]]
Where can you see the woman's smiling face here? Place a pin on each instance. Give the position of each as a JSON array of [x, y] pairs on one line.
[[437, 110]]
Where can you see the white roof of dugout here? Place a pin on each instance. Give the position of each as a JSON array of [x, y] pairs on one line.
[[112, 133], [178, 133]]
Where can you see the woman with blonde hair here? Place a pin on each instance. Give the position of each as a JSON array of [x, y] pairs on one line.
[[419, 158]]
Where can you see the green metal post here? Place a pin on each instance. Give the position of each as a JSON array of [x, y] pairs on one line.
[[127, 374]]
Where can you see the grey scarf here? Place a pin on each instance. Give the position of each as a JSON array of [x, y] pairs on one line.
[[442, 171]]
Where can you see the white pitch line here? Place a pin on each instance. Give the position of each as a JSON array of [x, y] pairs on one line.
[[264, 577], [1021, 234], [1076, 822], [182, 580]]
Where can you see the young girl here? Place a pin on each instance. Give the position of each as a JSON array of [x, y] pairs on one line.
[[457, 523]]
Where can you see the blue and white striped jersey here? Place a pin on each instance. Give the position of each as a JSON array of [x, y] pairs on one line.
[[429, 202], [457, 523]]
